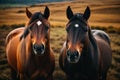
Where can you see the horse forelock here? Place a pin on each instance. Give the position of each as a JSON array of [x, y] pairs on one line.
[[37, 15]]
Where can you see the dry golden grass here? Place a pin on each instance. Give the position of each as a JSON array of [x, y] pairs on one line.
[[103, 12], [57, 40]]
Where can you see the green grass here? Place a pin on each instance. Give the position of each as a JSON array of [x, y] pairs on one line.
[[57, 37]]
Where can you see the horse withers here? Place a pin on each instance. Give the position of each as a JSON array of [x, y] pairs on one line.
[[28, 49], [86, 53]]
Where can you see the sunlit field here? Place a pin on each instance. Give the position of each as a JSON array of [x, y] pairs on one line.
[[103, 12], [104, 16], [58, 34]]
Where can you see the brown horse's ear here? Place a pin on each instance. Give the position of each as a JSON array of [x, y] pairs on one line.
[[86, 14], [46, 12], [28, 13], [69, 13]]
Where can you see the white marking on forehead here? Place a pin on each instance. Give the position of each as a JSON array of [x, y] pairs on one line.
[[76, 25], [39, 23]]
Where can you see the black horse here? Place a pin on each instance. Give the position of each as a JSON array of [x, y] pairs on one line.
[[86, 54]]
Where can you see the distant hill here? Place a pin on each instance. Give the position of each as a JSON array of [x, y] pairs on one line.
[[28, 1]]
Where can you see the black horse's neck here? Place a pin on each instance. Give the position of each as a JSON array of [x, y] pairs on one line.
[[95, 50]]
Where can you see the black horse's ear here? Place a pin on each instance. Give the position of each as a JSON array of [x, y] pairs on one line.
[[28, 13], [86, 14], [46, 12], [25, 33], [69, 13]]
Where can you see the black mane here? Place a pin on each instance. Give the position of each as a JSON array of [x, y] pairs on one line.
[[78, 16]]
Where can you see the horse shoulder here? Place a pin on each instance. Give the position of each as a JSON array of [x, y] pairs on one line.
[[52, 58], [62, 56]]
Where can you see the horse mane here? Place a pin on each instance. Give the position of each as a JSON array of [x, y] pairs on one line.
[[78, 16]]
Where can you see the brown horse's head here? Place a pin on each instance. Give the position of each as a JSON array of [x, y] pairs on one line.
[[77, 34], [38, 30]]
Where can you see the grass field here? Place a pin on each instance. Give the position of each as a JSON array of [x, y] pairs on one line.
[[57, 41], [104, 15], [103, 12]]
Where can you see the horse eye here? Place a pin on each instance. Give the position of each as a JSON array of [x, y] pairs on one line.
[[31, 35], [67, 29], [85, 28], [46, 27]]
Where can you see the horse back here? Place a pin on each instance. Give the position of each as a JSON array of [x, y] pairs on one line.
[[12, 41], [102, 35], [13, 33]]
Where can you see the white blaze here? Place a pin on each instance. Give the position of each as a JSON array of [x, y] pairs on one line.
[[76, 25], [39, 23]]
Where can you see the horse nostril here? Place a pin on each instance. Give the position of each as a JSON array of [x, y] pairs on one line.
[[76, 54], [68, 53], [35, 46], [42, 46]]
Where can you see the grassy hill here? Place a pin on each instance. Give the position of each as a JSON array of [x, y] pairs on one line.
[[103, 12]]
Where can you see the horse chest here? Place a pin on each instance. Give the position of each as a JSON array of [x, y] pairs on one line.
[[82, 69], [39, 68]]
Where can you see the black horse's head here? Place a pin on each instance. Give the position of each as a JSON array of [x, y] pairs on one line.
[[77, 34], [38, 30]]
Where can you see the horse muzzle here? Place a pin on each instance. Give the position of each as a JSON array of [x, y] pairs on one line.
[[73, 57], [39, 49]]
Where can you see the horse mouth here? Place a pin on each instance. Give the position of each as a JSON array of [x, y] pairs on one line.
[[39, 52]]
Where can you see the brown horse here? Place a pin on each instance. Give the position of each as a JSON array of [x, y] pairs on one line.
[[84, 56], [28, 49]]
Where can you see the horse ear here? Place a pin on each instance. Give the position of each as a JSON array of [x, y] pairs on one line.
[[86, 14], [46, 12], [69, 13], [28, 13]]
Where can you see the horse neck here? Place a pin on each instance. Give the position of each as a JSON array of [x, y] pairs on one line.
[[93, 50], [23, 54], [47, 48]]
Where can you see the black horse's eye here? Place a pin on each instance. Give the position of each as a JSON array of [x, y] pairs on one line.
[[67, 28], [46, 27], [85, 28]]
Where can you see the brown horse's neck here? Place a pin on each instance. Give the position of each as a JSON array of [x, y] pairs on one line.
[[47, 48]]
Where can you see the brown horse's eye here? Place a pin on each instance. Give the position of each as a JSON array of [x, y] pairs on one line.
[[31, 35]]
